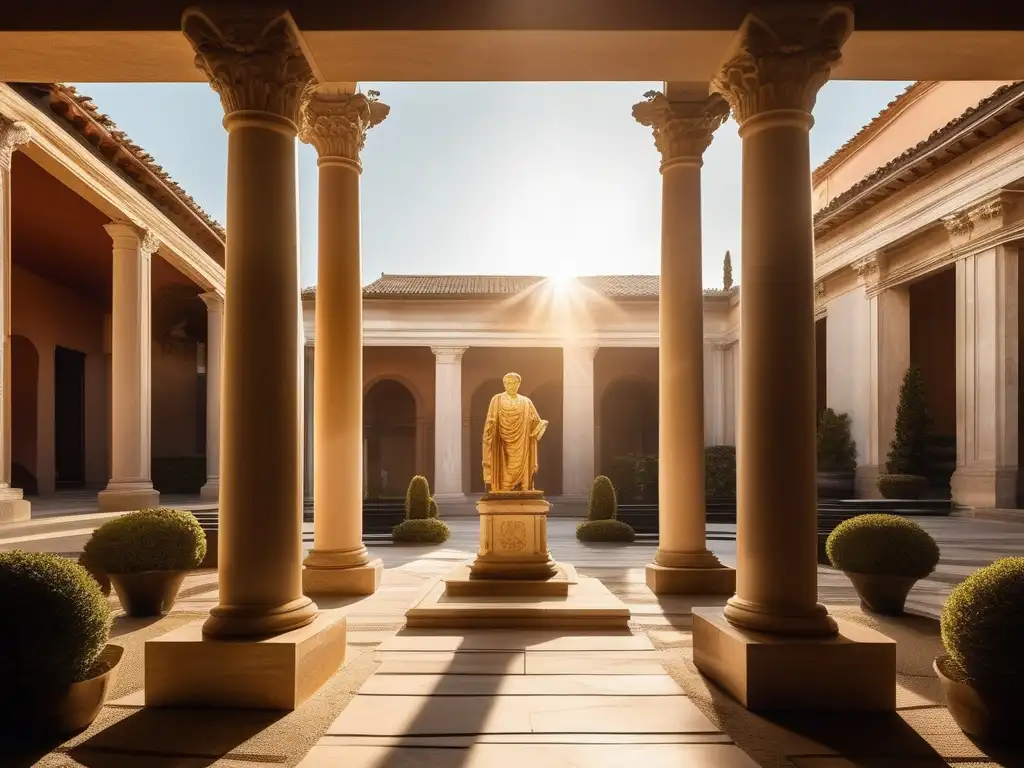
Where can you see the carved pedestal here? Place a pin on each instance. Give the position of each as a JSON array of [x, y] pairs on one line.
[[513, 537]]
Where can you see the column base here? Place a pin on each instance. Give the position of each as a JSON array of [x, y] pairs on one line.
[[353, 580], [13, 507], [866, 482], [242, 621], [854, 671], [186, 668], [984, 486], [691, 581], [753, 617], [210, 491], [127, 497]]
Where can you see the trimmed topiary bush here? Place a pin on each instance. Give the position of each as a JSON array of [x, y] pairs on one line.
[[982, 627], [836, 449], [902, 486], [602, 504], [882, 544], [57, 624], [417, 499], [421, 531], [720, 472], [906, 466], [605, 530], [432, 508], [147, 540]]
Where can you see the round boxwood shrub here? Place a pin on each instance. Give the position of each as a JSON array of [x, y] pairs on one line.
[[421, 531], [57, 623], [605, 530], [882, 544], [602, 504], [417, 499], [148, 540], [982, 627]]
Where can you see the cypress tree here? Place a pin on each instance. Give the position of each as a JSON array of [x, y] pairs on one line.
[[727, 272], [908, 451]]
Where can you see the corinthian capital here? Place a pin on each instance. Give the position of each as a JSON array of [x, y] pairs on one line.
[[335, 122], [780, 59], [682, 129], [12, 135], [252, 59]]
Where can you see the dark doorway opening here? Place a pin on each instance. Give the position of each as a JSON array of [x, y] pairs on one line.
[[69, 417]]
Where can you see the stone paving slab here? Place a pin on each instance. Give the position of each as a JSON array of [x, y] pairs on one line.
[[464, 742], [512, 640], [520, 685], [534, 755], [439, 663], [594, 663], [470, 715]]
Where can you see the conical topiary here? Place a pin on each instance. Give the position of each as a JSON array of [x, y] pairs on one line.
[[417, 499], [602, 504], [836, 449], [908, 451], [727, 272]]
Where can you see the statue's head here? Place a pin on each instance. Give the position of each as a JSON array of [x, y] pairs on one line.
[[512, 382]]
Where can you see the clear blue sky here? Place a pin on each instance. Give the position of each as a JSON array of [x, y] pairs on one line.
[[500, 178]]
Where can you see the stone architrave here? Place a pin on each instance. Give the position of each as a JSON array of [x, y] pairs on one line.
[[13, 507], [683, 128], [778, 61], [335, 122]]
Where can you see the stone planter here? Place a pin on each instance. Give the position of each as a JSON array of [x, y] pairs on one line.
[[994, 719], [902, 486], [835, 485], [47, 713], [882, 593], [147, 593]]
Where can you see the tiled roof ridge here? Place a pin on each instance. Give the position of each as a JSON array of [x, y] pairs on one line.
[[861, 137], [91, 111], [1013, 90]]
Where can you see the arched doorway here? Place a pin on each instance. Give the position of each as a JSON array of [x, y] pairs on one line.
[[629, 420], [389, 433], [24, 415]]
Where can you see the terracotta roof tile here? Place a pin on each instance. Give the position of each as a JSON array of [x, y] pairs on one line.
[[483, 286]]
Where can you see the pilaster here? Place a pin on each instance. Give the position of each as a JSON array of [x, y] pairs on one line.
[[448, 423], [578, 420], [214, 366]]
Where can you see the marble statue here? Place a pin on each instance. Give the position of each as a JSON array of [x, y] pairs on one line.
[[511, 433]]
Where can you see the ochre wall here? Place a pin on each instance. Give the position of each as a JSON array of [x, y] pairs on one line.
[[175, 395], [933, 345], [612, 432]]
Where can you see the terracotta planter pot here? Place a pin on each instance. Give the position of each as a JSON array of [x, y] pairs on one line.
[[835, 485], [993, 719], [881, 593], [147, 593], [47, 713]]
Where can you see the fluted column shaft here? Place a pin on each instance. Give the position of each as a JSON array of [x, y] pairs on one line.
[[771, 81], [683, 129], [259, 71], [448, 423], [214, 374], [335, 123]]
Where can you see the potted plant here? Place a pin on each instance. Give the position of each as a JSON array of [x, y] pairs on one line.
[[837, 456], [147, 555], [601, 523], [421, 524], [907, 463], [884, 556], [56, 667], [982, 671]]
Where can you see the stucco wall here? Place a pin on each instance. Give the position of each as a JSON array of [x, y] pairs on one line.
[[933, 345], [848, 364], [175, 395]]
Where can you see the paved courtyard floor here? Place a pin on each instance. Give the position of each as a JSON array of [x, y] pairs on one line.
[[426, 698]]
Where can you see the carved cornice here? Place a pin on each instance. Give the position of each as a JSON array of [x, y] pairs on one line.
[[962, 223], [819, 289], [149, 242], [335, 123], [12, 135], [252, 60], [780, 60], [448, 355], [868, 268], [958, 224], [682, 129]]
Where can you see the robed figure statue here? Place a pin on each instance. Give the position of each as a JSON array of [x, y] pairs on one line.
[[511, 433]]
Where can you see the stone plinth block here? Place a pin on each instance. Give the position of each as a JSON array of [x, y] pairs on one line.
[[14, 508], [128, 497], [358, 580], [513, 537], [854, 671], [459, 583], [185, 668], [690, 581], [587, 605]]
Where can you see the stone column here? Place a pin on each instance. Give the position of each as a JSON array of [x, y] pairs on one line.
[[986, 379], [335, 122], [448, 424], [257, 68], [716, 434], [309, 368], [577, 421], [13, 506], [214, 366], [683, 123], [130, 486], [771, 79]]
